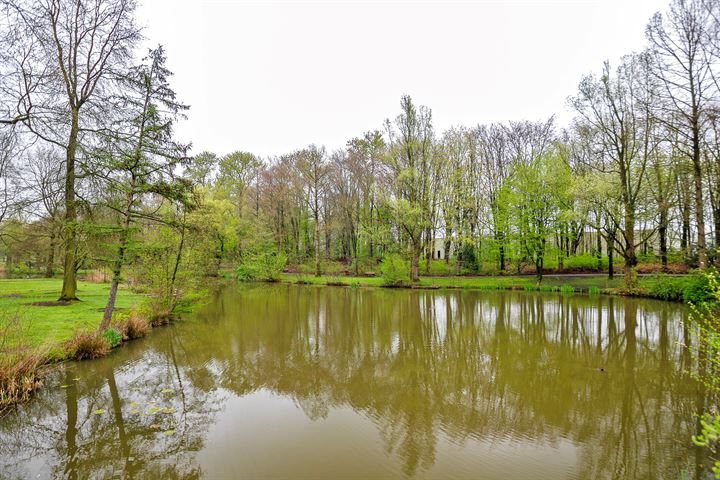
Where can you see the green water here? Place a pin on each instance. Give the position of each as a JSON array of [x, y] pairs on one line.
[[282, 381]]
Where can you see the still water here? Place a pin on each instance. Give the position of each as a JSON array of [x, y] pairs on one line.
[[302, 382]]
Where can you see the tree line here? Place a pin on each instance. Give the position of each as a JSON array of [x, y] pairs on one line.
[[93, 175]]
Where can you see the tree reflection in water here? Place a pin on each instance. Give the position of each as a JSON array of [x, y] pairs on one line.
[[606, 375]]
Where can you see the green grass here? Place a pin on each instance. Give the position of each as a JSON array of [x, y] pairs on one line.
[[51, 326]]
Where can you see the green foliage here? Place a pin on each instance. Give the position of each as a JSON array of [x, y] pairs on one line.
[[438, 267], [584, 262], [669, 288], [593, 291], [467, 258], [698, 289], [708, 437], [395, 270], [705, 323], [263, 265], [113, 337], [567, 289]]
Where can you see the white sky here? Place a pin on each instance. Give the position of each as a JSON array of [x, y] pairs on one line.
[[270, 77]]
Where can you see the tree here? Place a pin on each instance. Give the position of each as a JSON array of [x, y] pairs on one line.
[[45, 180], [679, 41], [611, 113], [409, 161], [143, 154], [313, 169], [538, 190], [73, 50], [202, 168]]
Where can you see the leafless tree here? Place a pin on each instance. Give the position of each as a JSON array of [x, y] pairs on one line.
[[71, 53]]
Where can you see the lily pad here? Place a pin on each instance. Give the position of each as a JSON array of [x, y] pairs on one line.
[[153, 410], [99, 411], [169, 433]]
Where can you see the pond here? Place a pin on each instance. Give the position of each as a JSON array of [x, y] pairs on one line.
[[303, 382]]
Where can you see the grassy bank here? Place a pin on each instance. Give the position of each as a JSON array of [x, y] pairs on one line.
[[47, 324], [663, 287], [36, 330]]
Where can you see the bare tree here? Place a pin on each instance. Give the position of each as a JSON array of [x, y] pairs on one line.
[[611, 112], [73, 50], [313, 168], [679, 42]]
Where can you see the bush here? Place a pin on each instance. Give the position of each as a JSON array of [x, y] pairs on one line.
[[697, 289], [395, 271], [262, 265], [665, 287], [584, 262], [86, 345], [468, 259]]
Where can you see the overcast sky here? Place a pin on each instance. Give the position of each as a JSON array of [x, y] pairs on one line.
[[270, 77]]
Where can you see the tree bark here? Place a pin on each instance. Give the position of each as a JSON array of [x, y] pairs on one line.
[[117, 266], [662, 233], [69, 287]]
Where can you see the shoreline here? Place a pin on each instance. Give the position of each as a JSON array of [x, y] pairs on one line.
[[587, 284], [21, 378]]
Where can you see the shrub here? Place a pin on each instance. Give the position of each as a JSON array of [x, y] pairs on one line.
[[567, 289], [468, 259], [262, 265], [86, 345], [593, 291], [697, 289], [395, 271], [584, 262], [665, 287]]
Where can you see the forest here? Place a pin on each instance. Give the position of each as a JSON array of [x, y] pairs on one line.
[[95, 181]]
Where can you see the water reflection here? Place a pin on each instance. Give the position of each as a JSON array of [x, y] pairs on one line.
[[302, 382]]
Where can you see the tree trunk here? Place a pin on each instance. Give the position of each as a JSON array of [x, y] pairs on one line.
[[117, 267], [598, 252], [702, 251], [629, 255], [317, 245], [69, 287], [610, 249], [415, 261], [446, 246], [662, 233]]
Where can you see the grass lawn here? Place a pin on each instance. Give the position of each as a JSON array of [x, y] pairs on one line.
[[51, 326]]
